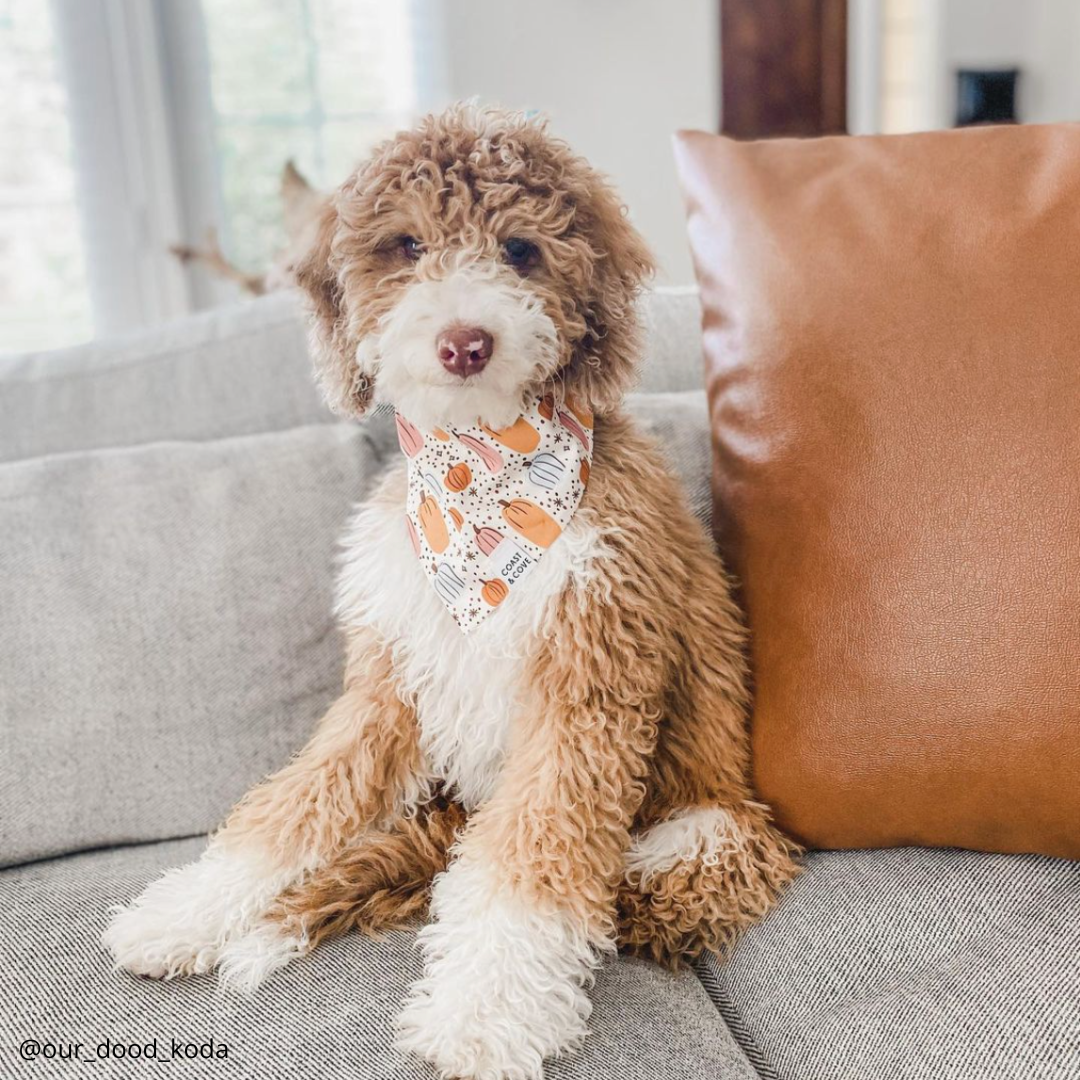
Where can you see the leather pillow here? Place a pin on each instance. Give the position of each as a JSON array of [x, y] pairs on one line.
[[892, 338]]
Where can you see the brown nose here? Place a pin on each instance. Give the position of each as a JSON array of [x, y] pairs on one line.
[[464, 350]]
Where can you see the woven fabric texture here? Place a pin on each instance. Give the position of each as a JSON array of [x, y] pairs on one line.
[[327, 1016], [166, 629], [912, 964]]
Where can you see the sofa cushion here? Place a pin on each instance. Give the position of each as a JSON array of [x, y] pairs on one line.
[[912, 963], [237, 370], [166, 629], [679, 422], [672, 360], [325, 1017], [894, 350]]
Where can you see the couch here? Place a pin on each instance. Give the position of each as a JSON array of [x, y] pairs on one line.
[[169, 505]]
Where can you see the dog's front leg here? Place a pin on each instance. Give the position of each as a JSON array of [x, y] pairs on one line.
[[361, 764], [526, 908]]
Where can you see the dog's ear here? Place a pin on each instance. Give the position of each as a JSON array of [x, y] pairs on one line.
[[300, 202], [606, 359], [347, 389]]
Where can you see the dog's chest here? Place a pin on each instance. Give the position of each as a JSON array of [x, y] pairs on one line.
[[467, 689]]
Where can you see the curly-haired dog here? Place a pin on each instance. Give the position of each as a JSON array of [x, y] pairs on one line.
[[563, 750]]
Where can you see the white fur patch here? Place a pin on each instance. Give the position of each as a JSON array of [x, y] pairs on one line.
[[251, 957], [191, 919], [465, 688], [503, 986], [703, 834], [482, 294]]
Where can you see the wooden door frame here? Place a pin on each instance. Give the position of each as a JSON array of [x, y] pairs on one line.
[[783, 67]]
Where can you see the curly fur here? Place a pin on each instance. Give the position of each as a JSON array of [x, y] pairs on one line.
[[574, 774], [462, 183]]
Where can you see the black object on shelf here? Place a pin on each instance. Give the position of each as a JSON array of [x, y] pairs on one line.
[[986, 97]]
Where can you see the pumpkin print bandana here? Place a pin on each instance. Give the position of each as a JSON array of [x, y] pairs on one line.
[[484, 505]]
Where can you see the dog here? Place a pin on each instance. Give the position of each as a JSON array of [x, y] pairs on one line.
[[550, 747]]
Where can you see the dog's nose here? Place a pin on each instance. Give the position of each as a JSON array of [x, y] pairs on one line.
[[464, 350]]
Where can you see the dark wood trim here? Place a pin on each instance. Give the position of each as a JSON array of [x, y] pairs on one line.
[[783, 67]]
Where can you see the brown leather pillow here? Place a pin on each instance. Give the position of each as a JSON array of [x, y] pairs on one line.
[[892, 333]]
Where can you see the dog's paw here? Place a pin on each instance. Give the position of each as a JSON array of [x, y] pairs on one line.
[[503, 984], [182, 921], [491, 1039], [145, 939], [246, 962]]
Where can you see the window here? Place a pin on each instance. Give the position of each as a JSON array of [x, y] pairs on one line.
[[131, 126], [44, 301], [318, 81]]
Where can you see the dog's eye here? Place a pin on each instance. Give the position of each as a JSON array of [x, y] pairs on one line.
[[410, 247], [521, 254]]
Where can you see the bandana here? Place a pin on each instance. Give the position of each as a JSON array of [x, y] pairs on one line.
[[484, 506]]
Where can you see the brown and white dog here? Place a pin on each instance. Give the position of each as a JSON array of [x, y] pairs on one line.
[[573, 774]]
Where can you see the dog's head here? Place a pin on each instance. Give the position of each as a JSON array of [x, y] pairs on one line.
[[471, 263]]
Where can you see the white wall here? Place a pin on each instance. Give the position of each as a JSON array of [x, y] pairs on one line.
[[1040, 36], [916, 46], [617, 78]]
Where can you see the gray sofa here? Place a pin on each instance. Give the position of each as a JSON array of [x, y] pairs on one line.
[[169, 507]]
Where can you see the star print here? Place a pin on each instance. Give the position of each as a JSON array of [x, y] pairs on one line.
[[473, 612], [470, 555], [472, 492]]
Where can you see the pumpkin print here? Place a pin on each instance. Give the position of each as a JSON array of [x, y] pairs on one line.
[[491, 458], [573, 427], [520, 437], [484, 504], [494, 592], [487, 540], [433, 525], [581, 411], [532, 521], [409, 437], [448, 583], [414, 537], [545, 471], [459, 477]]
